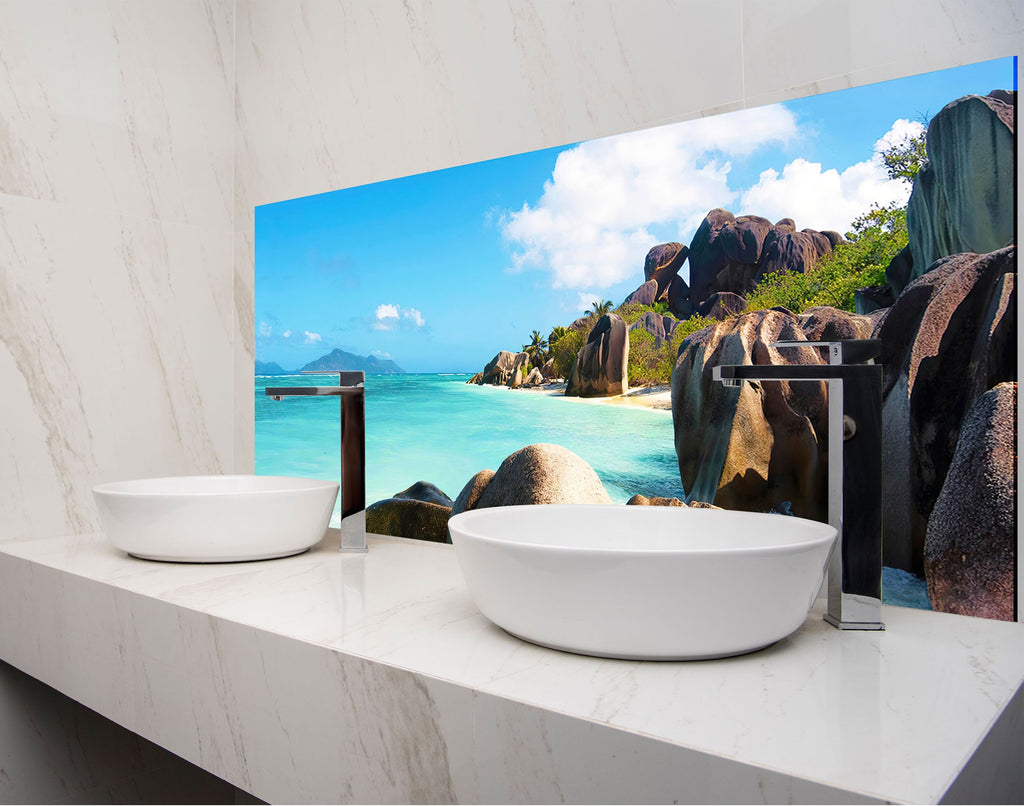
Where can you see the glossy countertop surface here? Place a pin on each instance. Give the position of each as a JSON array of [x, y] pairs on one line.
[[890, 715]]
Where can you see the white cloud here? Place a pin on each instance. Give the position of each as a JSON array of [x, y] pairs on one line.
[[381, 354], [391, 317], [287, 334], [593, 219], [828, 199], [312, 338], [387, 312], [584, 300], [266, 331]]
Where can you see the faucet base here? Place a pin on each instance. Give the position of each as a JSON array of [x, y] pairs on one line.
[[353, 533], [853, 625]]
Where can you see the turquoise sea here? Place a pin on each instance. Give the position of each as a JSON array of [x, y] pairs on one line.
[[440, 429]]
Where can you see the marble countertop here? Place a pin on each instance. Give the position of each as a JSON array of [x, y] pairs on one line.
[[273, 674]]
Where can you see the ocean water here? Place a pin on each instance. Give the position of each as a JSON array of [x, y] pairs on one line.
[[437, 428]]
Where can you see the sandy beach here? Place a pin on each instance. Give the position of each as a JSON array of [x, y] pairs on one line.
[[650, 397]]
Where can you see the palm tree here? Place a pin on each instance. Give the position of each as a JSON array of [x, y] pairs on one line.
[[537, 348], [599, 309], [556, 333]]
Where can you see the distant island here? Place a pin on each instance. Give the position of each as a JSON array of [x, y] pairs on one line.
[[334, 361]]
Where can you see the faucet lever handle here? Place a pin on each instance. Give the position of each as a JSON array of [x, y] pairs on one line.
[[345, 377], [847, 351]]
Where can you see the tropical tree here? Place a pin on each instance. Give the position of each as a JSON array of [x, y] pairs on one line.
[[537, 349], [904, 158], [599, 309], [556, 333]]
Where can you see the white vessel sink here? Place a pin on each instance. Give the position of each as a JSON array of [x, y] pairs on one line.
[[209, 519], [648, 583]]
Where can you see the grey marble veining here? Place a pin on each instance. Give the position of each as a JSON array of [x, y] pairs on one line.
[[116, 250]]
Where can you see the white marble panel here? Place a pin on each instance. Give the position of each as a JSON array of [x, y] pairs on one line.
[[334, 95], [244, 340], [338, 658], [811, 46], [116, 348], [528, 755], [120, 106], [291, 722]]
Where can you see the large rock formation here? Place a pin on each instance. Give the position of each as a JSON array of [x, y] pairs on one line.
[[498, 370], [601, 367], [662, 280], [662, 263], [658, 325], [963, 199], [470, 495], [757, 445], [732, 254], [520, 369], [538, 474], [641, 500], [970, 548], [721, 305], [948, 339], [420, 512]]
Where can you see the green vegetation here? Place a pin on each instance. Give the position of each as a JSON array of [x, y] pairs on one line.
[[565, 350], [904, 159], [651, 365], [537, 349], [876, 238], [599, 309]]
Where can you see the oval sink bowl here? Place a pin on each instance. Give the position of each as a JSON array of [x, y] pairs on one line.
[[645, 583], [212, 519]]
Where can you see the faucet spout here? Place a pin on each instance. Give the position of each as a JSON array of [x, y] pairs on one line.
[[854, 469], [350, 391]]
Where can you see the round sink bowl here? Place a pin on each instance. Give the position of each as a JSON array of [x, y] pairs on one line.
[[209, 519], [642, 582]]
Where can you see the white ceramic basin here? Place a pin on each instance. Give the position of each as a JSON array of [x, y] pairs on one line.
[[210, 519], [648, 583]]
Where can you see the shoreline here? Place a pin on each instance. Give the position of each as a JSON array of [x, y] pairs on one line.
[[642, 397]]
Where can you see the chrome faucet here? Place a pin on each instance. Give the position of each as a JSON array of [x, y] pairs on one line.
[[351, 392], [854, 600]]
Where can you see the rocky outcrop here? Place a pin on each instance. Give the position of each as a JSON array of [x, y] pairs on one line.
[[787, 251], [647, 294], [658, 325], [639, 500], [420, 512], [662, 280], [970, 548], [678, 298], [721, 305], [426, 492], [521, 367], [498, 370], [542, 474], [663, 263], [963, 199], [757, 445], [535, 378], [732, 254], [470, 495], [600, 369], [948, 339]]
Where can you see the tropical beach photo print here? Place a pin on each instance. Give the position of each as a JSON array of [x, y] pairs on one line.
[[541, 328]]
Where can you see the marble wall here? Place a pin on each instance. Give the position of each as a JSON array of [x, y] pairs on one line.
[[117, 322]]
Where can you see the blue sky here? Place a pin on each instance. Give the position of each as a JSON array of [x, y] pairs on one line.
[[440, 271]]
